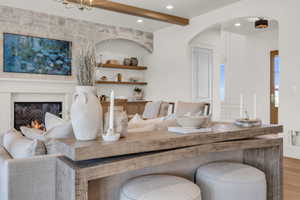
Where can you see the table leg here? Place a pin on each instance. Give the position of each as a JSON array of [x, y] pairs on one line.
[[81, 188], [269, 160]]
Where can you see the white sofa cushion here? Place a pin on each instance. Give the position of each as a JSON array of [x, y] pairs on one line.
[[21, 147], [160, 187]]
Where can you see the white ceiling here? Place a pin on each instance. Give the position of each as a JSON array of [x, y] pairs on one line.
[[183, 8]]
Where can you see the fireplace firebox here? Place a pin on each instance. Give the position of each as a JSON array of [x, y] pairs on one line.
[[33, 113]]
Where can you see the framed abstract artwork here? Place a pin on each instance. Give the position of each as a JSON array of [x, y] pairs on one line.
[[35, 55]]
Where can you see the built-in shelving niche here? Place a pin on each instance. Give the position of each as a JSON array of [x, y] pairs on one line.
[[118, 49]]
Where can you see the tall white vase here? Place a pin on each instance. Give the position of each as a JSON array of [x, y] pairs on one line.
[[86, 114]]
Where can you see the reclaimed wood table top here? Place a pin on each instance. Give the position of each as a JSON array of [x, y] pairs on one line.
[[158, 140]]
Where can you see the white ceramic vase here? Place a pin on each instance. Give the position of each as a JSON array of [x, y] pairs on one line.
[[86, 114]]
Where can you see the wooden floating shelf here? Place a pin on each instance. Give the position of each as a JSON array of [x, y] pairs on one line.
[[114, 66], [121, 83]]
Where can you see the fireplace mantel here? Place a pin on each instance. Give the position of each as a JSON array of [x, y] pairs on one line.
[[31, 90]]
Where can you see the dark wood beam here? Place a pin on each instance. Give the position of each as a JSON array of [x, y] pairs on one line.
[[140, 12]]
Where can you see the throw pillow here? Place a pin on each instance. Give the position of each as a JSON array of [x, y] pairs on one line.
[[152, 110], [52, 121], [164, 109], [19, 146], [61, 131], [33, 133], [56, 127]]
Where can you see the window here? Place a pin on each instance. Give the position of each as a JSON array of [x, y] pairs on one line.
[[222, 82], [202, 70]]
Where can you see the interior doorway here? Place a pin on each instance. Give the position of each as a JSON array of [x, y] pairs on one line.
[[275, 80]]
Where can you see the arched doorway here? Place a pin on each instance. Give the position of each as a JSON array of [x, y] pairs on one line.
[[240, 67]]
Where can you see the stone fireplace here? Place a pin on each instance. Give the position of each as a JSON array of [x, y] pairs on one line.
[[32, 114]]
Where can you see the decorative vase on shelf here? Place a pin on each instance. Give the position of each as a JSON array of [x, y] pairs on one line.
[[134, 61], [138, 94], [86, 113], [127, 61], [120, 122]]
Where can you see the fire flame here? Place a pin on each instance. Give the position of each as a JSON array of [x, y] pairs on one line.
[[35, 124]]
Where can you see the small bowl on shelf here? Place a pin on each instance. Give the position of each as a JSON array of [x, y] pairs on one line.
[[193, 121]]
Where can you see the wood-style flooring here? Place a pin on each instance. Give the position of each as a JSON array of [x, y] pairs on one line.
[[291, 179]]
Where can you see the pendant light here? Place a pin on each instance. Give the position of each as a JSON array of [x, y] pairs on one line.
[[261, 23]]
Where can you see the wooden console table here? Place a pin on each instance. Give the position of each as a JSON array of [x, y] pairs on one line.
[[84, 162]]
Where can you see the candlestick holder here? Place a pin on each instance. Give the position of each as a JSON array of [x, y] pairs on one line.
[[111, 136], [248, 123]]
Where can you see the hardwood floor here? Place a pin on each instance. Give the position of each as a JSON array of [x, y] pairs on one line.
[[291, 179]]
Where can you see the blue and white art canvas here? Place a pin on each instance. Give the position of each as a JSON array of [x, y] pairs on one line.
[[26, 54]]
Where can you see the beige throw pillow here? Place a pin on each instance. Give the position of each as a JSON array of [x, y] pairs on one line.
[[52, 121], [56, 127], [33, 133], [152, 110], [164, 109], [183, 108], [19, 146]]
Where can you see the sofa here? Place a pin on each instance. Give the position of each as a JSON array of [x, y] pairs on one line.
[[27, 178], [28, 160], [161, 123]]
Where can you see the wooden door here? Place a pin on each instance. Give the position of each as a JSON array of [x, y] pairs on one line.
[[274, 93]]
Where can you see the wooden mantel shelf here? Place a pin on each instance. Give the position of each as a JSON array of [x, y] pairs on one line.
[[114, 66], [121, 83]]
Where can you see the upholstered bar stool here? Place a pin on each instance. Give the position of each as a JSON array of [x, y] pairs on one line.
[[160, 187], [231, 181]]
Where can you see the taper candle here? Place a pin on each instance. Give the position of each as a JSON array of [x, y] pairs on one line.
[[111, 110], [241, 106], [254, 106]]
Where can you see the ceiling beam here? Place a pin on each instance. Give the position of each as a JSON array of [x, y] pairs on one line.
[[140, 12]]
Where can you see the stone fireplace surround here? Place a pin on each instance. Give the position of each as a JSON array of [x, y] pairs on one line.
[[25, 90]]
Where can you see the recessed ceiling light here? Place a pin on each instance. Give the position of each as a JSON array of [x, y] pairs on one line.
[[252, 19], [169, 7], [140, 21], [237, 24]]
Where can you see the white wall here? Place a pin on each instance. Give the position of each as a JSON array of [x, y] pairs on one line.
[[171, 72]]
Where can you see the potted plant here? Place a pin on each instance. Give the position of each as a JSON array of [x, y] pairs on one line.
[[86, 110], [138, 93]]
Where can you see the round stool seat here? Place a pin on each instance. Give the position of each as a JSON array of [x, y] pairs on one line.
[[160, 187], [231, 181]]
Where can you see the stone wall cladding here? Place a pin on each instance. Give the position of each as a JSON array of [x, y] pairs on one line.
[[79, 32]]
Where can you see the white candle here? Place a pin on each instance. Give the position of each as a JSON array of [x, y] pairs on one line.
[[111, 110], [241, 106], [254, 106]]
